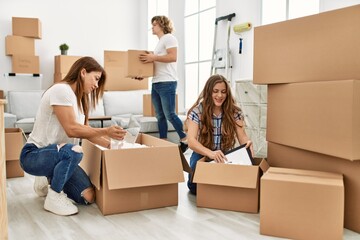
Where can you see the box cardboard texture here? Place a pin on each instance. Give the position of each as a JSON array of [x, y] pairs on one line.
[[323, 117], [63, 63], [289, 157], [302, 204], [14, 142], [148, 107], [25, 64], [26, 27], [306, 49], [115, 66], [135, 68], [134, 179], [229, 186], [16, 45]]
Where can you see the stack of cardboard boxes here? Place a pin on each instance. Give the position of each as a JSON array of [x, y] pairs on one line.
[[311, 66], [21, 45]]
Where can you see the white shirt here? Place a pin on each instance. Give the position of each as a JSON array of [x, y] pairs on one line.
[[47, 128], [165, 72]]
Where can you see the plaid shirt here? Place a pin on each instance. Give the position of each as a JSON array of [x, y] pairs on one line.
[[216, 121]]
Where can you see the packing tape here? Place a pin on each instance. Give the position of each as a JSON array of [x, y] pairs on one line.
[[242, 27]]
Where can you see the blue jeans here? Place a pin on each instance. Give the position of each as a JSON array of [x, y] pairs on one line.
[[195, 157], [61, 167], [163, 98]]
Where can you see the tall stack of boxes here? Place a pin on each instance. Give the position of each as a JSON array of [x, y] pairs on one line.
[[312, 68], [21, 45], [62, 66]]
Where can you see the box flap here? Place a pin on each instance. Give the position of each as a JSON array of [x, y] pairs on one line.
[[226, 175], [184, 162], [14, 142], [91, 162], [139, 167], [264, 165], [305, 176]]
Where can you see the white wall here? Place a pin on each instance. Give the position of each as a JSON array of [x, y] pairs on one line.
[[246, 11], [88, 26], [327, 5]]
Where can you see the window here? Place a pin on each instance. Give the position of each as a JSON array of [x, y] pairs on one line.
[[199, 25], [280, 10]]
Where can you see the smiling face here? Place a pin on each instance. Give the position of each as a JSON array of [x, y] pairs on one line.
[[91, 80], [219, 94]]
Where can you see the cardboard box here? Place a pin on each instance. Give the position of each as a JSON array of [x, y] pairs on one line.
[[134, 179], [116, 80], [134, 67], [129, 61], [16, 45], [323, 117], [148, 107], [289, 157], [26, 27], [63, 63], [306, 49], [302, 204], [14, 142], [25, 64], [229, 186]]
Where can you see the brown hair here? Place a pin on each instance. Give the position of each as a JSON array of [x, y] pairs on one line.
[[84, 101], [229, 108], [164, 22]]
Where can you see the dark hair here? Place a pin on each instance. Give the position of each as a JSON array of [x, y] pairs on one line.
[[164, 22], [84, 101], [229, 108]]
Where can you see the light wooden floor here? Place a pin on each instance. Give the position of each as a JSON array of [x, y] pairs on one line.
[[28, 220]]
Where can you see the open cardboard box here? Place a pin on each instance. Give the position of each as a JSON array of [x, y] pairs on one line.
[[14, 142], [134, 179], [229, 186], [302, 204]]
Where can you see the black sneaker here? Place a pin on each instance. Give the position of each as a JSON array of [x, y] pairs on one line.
[[183, 146]]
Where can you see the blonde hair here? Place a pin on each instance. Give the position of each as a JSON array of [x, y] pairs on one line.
[[164, 22]]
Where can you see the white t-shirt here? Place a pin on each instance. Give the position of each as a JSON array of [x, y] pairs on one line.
[[165, 72], [47, 128]]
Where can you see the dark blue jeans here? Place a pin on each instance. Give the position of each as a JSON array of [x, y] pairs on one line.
[[60, 166], [195, 157], [163, 98]]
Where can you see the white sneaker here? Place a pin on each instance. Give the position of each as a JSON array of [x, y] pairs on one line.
[[59, 203], [41, 186]]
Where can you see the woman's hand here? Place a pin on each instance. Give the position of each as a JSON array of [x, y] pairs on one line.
[[116, 132], [218, 156], [249, 144]]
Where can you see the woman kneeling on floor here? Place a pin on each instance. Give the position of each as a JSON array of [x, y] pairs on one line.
[[52, 152]]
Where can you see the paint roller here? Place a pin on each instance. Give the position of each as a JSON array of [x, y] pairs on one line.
[[239, 28]]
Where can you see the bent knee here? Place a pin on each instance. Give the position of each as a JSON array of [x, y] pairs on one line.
[[77, 149], [89, 195]]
